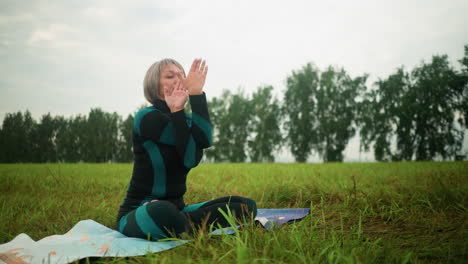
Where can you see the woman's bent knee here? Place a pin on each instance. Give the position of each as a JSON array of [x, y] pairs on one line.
[[154, 220], [168, 217]]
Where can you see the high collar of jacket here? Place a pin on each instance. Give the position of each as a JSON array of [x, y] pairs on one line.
[[162, 106]]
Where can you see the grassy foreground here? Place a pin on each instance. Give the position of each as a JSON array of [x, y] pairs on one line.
[[361, 213]]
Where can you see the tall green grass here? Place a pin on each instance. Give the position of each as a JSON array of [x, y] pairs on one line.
[[361, 213]]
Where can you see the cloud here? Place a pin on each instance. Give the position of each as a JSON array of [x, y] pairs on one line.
[[54, 35]]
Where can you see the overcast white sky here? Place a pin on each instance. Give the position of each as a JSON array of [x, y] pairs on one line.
[[65, 57]]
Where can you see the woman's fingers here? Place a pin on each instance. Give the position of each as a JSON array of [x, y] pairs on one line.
[[192, 68], [195, 80], [195, 64], [206, 71], [199, 65], [202, 66]]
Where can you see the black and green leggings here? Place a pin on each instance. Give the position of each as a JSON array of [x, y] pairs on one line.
[[162, 219]]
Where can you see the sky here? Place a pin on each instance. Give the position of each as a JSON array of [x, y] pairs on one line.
[[66, 57]]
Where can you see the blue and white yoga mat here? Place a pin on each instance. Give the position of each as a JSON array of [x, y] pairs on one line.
[[91, 239]]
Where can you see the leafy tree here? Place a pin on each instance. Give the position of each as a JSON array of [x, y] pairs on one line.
[[44, 145], [437, 91], [231, 117], [99, 140], [17, 134], [2, 146], [69, 138], [26, 155], [463, 107], [380, 115], [12, 124], [62, 138], [235, 127], [125, 141], [265, 125], [299, 108], [217, 109], [336, 111], [321, 110], [417, 112]]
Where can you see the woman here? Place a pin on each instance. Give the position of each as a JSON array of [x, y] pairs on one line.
[[167, 143]]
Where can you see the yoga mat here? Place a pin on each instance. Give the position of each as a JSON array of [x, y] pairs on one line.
[[91, 239]]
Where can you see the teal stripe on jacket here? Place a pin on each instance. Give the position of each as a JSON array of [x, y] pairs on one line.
[[190, 153], [167, 136], [204, 125], [139, 116], [159, 169]]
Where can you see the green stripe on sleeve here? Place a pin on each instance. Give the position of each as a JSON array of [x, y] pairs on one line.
[[204, 125], [159, 169], [189, 156]]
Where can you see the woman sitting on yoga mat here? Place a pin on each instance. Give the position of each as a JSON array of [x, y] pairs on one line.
[[167, 143]]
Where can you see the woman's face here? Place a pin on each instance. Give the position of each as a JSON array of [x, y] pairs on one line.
[[168, 78]]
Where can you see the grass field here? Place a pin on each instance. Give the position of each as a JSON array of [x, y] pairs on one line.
[[361, 213]]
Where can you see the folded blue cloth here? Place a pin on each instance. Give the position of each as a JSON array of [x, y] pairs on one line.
[[91, 239]]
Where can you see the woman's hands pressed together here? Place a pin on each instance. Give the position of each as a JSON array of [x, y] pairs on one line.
[[191, 85]]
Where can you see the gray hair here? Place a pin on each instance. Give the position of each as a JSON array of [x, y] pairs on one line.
[[151, 82]]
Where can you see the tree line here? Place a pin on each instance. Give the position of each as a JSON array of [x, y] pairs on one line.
[[97, 137], [417, 114]]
